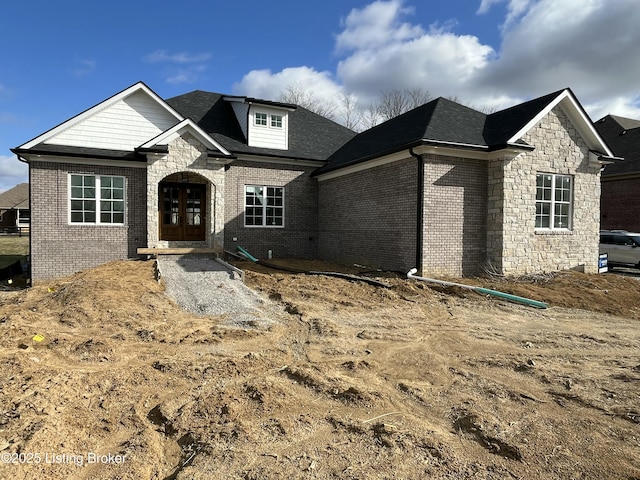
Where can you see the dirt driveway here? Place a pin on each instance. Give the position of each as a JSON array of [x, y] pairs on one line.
[[346, 381]]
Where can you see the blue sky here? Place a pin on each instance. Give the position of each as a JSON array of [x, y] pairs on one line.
[[60, 58]]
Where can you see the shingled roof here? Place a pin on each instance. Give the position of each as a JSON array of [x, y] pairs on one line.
[[15, 198], [623, 137], [311, 136], [441, 122]]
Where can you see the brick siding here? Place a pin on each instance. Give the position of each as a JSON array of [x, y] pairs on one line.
[[369, 217], [299, 237], [59, 248], [620, 208], [455, 215]]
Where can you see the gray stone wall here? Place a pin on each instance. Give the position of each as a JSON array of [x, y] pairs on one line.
[[299, 237], [515, 246], [189, 157], [59, 248], [369, 217]]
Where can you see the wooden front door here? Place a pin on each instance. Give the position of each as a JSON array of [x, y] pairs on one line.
[[182, 211]]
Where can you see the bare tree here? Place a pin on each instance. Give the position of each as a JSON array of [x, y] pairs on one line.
[[371, 116], [296, 94], [350, 112], [396, 102]]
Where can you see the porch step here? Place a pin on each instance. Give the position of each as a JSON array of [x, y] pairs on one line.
[[177, 251]]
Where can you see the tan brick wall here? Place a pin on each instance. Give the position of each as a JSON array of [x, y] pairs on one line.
[[58, 248], [455, 213], [514, 245], [369, 217], [299, 237]]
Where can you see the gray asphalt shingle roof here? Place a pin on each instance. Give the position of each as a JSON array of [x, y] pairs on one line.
[[16, 197], [311, 136], [623, 137], [439, 121]]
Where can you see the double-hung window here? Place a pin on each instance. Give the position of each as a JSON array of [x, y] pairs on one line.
[[264, 206], [96, 199], [554, 201]]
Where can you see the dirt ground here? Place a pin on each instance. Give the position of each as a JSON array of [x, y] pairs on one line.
[[343, 380]]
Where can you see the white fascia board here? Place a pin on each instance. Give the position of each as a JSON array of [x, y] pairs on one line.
[[187, 125], [576, 114], [100, 106]]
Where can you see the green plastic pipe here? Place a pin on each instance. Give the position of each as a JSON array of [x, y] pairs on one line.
[[246, 254], [487, 291]]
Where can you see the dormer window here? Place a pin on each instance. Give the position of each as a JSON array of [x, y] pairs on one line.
[[276, 121], [261, 119]]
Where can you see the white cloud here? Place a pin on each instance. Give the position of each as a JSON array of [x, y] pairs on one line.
[[442, 63], [163, 56], [180, 67], [12, 172], [268, 85], [546, 45], [84, 67], [376, 25], [588, 45]]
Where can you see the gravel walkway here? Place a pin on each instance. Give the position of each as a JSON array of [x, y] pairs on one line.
[[200, 285]]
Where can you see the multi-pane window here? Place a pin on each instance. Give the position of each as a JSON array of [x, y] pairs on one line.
[[553, 201], [96, 199], [276, 121], [273, 120], [264, 206], [261, 119]]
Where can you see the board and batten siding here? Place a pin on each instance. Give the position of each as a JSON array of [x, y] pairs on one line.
[[268, 136], [123, 126], [242, 112]]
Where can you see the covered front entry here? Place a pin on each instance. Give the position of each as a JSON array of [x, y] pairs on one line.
[[182, 211]]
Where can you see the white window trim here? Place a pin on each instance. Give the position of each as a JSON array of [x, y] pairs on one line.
[[264, 209], [97, 200], [552, 204], [266, 119], [270, 120]]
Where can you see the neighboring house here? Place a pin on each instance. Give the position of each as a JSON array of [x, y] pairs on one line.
[[620, 204], [443, 188], [14, 209]]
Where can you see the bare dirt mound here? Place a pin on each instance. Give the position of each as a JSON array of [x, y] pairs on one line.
[[346, 380]]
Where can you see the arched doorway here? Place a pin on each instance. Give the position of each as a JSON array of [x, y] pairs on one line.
[[182, 202]]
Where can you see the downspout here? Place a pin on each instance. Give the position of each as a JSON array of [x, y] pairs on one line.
[[420, 209]]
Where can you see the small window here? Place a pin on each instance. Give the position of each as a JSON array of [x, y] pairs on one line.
[[96, 199], [261, 119], [264, 206], [276, 121], [554, 201]]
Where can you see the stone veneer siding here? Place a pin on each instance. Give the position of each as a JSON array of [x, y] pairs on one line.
[[59, 248], [514, 246], [186, 155], [369, 217], [619, 206], [455, 215], [299, 237]]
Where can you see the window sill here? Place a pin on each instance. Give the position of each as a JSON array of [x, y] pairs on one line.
[[548, 231], [264, 226]]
